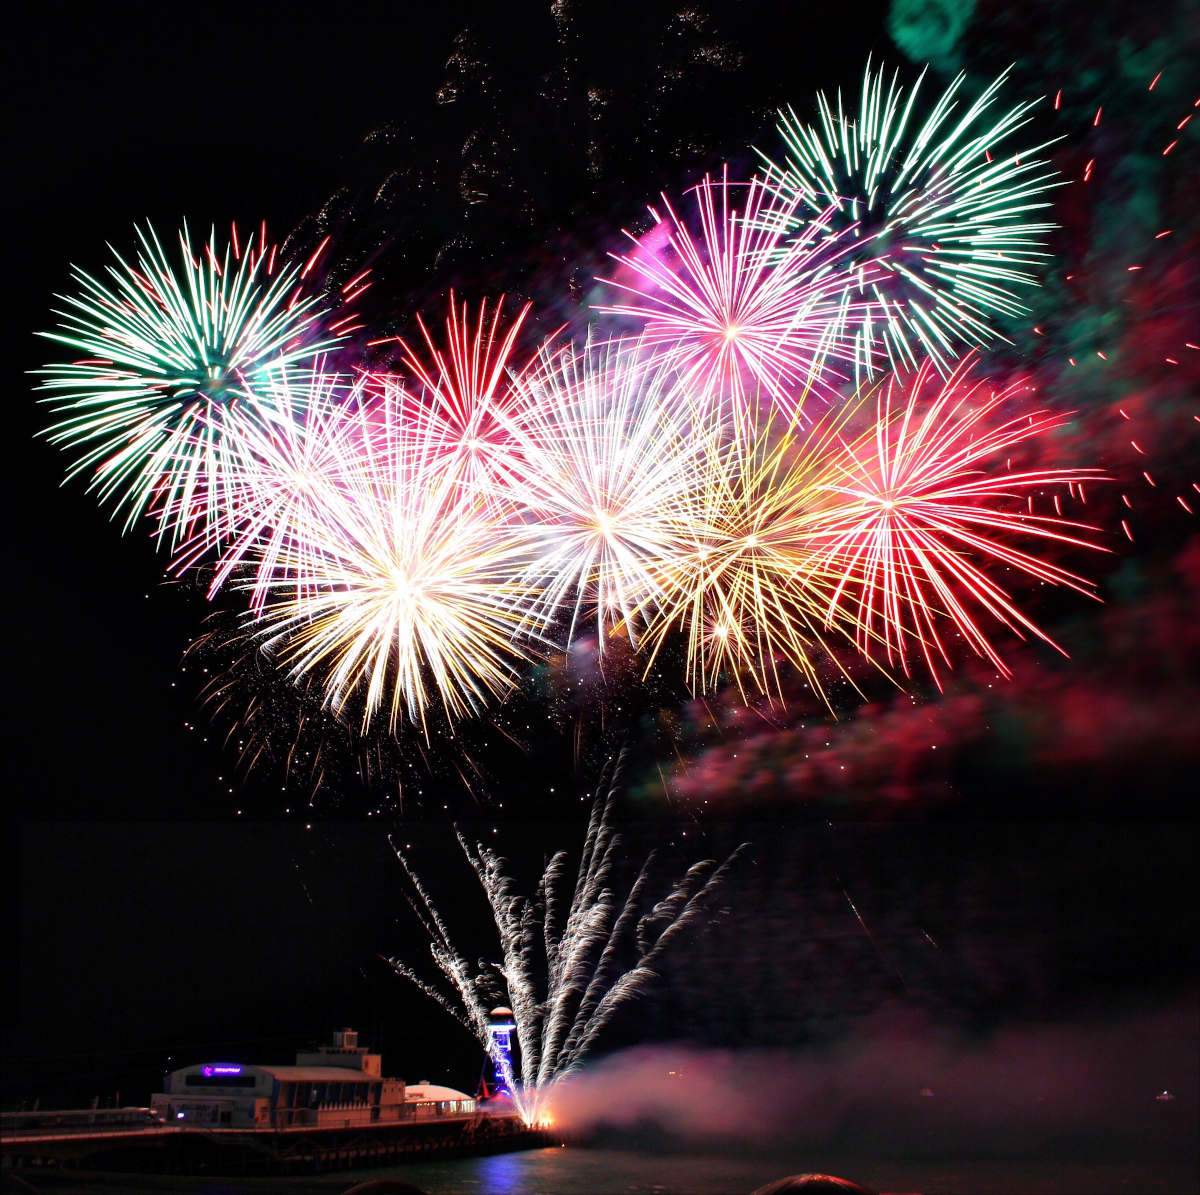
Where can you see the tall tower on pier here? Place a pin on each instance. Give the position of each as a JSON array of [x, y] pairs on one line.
[[500, 1030]]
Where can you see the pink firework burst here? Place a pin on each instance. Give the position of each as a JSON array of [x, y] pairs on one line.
[[741, 308], [927, 508], [280, 468]]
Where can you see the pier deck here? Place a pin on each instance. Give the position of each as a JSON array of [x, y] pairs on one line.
[[178, 1149]]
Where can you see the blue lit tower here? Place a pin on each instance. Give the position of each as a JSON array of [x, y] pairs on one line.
[[500, 1030]]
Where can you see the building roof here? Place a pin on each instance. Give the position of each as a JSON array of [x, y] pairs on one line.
[[319, 1074], [290, 1074], [431, 1091]]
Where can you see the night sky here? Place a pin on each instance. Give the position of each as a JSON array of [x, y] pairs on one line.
[[165, 904]]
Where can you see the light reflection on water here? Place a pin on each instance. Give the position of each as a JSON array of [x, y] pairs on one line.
[[625, 1172], [593, 1172]]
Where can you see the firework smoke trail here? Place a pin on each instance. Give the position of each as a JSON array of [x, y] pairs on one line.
[[924, 501], [937, 206], [560, 958], [609, 463], [393, 583], [759, 302], [168, 354]]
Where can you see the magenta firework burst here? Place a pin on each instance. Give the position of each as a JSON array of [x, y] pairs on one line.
[[734, 302]]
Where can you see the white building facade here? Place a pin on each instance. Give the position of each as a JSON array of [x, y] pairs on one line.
[[336, 1086]]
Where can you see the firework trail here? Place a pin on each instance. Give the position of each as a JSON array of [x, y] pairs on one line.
[[168, 354], [760, 301], [940, 206], [569, 958], [925, 501]]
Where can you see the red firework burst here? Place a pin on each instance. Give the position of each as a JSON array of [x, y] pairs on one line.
[[463, 400], [927, 507]]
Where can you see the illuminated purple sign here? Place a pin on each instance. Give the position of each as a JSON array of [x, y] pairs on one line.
[[228, 1068]]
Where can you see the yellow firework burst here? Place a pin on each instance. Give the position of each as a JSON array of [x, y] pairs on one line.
[[750, 591], [395, 587]]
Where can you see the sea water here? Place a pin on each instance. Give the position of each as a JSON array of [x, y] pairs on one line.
[[585, 1171]]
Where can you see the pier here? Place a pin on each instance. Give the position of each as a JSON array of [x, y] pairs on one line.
[[158, 1148]]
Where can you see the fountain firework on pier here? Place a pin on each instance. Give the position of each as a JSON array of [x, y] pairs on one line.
[[568, 959]]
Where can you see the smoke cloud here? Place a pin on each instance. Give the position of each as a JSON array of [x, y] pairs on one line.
[[903, 1085]]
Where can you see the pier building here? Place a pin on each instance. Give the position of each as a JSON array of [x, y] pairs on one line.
[[340, 1085]]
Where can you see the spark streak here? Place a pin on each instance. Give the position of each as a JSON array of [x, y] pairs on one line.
[[560, 952]]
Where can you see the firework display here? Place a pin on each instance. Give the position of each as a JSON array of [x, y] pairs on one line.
[[407, 539], [925, 501], [942, 205], [743, 306], [611, 465], [167, 354], [561, 953]]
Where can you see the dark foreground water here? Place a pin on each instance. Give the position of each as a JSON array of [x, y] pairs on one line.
[[576, 1171]]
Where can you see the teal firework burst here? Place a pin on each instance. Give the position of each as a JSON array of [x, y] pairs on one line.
[[165, 354], [942, 204]]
